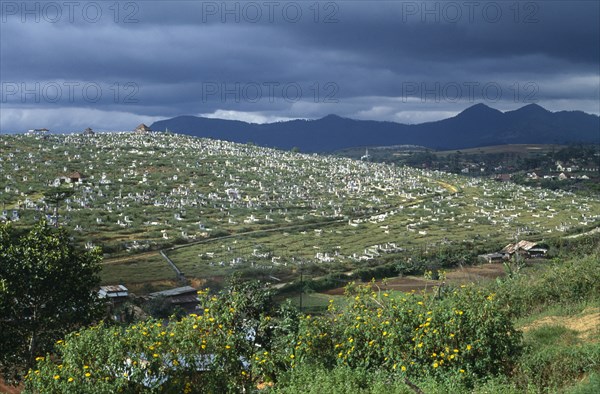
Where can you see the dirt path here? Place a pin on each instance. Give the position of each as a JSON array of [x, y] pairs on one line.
[[449, 187], [455, 276], [592, 231], [587, 324]]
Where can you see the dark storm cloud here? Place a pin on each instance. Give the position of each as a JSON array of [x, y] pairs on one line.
[[261, 61]]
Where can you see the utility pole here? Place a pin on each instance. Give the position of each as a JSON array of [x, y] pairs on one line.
[[56, 197], [301, 286]]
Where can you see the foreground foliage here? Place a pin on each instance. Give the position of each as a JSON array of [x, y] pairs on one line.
[[45, 292], [453, 340], [239, 341]]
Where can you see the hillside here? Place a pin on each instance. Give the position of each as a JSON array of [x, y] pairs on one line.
[[534, 331], [229, 207], [476, 126]]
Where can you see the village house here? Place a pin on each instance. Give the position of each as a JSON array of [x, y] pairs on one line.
[[41, 131], [562, 176], [185, 297], [142, 129], [116, 294], [493, 257], [75, 177], [559, 166], [524, 248]]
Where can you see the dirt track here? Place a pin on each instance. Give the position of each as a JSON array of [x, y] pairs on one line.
[[587, 324], [455, 276]]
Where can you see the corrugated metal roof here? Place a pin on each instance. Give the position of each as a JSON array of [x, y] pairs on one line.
[[521, 245], [113, 288], [173, 292]]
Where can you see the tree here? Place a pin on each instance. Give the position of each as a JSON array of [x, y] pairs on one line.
[[46, 291]]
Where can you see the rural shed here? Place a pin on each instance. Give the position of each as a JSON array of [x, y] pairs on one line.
[[142, 129], [527, 248], [75, 177], [185, 297], [115, 293], [493, 257]]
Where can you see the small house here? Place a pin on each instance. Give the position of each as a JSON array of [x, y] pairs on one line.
[[525, 249], [185, 297], [114, 293], [75, 177], [142, 129], [493, 257]]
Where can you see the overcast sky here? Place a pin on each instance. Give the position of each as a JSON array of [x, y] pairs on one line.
[[112, 65]]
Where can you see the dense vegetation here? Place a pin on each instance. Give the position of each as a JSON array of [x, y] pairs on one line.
[[455, 339], [46, 291]]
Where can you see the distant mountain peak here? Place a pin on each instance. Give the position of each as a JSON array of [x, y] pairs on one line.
[[331, 117], [479, 106], [478, 109], [532, 108], [530, 111]]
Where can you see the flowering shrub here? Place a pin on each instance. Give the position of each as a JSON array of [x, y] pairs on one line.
[[239, 342], [466, 332], [222, 349]]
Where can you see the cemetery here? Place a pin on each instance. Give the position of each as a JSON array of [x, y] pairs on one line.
[[215, 207]]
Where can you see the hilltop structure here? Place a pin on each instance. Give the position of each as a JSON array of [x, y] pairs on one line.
[[366, 155], [42, 131], [142, 129]]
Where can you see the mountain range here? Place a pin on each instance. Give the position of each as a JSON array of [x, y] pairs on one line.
[[478, 125]]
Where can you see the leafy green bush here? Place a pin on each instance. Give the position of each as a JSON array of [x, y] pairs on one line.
[[466, 333], [46, 290], [221, 350], [589, 386], [241, 340], [566, 281], [340, 380], [554, 359]]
